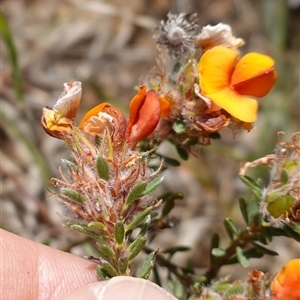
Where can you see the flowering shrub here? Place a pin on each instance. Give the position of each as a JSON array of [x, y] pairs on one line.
[[108, 183]]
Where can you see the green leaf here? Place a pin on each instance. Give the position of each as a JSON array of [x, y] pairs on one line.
[[102, 168], [138, 219], [293, 231], [102, 274], [97, 225], [152, 185], [243, 209], [83, 229], [8, 39], [241, 258], [146, 225], [68, 164], [169, 199], [284, 177], [252, 210], [253, 185], [123, 264], [136, 247], [147, 265], [214, 243], [119, 232], [176, 249], [218, 252], [182, 152], [135, 192], [105, 250], [264, 250], [73, 195], [171, 161], [110, 270], [230, 228]]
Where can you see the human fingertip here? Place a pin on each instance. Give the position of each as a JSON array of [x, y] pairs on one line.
[[128, 288]]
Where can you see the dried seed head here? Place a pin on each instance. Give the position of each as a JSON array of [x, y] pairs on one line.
[[178, 33]]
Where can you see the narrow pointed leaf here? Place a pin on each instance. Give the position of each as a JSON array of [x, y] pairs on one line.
[[102, 168], [102, 274], [105, 250], [136, 247], [68, 164], [230, 228], [243, 209], [73, 195], [110, 270], [264, 250], [250, 183], [147, 265], [135, 192], [119, 232], [97, 225], [182, 152], [83, 229], [138, 219], [123, 264], [214, 243], [152, 185]]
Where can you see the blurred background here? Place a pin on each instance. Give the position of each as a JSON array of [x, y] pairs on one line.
[[109, 46]]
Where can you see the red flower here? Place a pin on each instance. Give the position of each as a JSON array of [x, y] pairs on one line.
[[146, 108]]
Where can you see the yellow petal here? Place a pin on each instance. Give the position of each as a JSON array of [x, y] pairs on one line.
[[239, 106], [254, 75], [215, 68]]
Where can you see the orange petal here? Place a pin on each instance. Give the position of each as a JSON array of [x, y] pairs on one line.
[[93, 112], [164, 107], [215, 68], [254, 75], [57, 121], [286, 283], [135, 104], [144, 116], [239, 106]]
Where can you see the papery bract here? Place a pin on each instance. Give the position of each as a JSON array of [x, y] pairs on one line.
[[57, 121], [217, 35], [227, 81], [146, 108]]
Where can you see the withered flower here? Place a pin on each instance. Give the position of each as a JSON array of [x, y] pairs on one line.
[[57, 121], [217, 35], [178, 34]]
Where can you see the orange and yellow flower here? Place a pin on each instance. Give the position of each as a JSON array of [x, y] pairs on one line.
[[228, 82], [146, 108], [286, 283]]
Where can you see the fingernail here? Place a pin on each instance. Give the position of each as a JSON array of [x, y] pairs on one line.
[[128, 288]]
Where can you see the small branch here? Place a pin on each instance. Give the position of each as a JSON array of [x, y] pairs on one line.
[[242, 240]]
